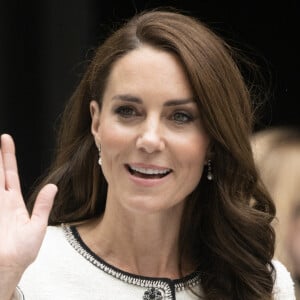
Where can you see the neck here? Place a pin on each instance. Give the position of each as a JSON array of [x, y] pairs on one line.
[[142, 244]]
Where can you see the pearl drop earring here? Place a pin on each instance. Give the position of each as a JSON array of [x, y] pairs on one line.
[[100, 158], [209, 171]]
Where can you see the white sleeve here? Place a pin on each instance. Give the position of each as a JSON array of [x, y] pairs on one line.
[[284, 285]]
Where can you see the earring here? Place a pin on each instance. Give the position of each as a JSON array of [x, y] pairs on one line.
[[100, 158], [209, 171]]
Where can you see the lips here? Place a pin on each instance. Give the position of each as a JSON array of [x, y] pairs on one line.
[[148, 172]]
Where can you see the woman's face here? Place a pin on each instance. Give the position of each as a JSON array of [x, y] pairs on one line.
[[153, 145]]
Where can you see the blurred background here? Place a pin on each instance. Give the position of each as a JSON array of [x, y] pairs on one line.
[[45, 45]]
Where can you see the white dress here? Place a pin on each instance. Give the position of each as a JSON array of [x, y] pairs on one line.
[[66, 269]]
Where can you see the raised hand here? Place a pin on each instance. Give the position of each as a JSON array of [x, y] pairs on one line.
[[21, 235]]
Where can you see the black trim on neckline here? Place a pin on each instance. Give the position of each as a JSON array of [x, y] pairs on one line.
[[173, 283]]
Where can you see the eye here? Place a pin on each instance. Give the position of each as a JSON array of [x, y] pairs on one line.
[[181, 117], [126, 111]]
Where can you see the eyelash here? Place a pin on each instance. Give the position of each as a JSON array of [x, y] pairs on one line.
[[127, 112], [187, 117]]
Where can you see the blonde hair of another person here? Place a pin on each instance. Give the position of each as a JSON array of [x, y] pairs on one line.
[[277, 155]]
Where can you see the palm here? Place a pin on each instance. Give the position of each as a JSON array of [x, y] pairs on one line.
[[20, 235]]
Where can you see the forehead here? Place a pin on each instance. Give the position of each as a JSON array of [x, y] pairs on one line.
[[150, 69]]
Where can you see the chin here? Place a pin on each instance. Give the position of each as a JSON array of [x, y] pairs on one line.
[[149, 206]]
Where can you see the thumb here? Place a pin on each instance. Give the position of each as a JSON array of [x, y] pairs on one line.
[[43, 204]]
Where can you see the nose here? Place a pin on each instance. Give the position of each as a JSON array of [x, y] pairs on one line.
[[150, 138]]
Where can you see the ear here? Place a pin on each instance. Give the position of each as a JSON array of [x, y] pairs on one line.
[[95, 125]]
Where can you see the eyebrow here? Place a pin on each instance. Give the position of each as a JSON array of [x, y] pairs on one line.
[[134, 99]]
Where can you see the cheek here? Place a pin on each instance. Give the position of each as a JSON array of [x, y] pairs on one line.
[[192, 149], [191, 155], [114, 137]]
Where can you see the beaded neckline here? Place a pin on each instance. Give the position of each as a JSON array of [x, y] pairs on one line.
[[77, 243]]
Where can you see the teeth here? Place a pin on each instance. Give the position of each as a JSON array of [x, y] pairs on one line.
[[150, 171]]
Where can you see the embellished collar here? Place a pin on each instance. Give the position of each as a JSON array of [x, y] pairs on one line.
[[153, 285]]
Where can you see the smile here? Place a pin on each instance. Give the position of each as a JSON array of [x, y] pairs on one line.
[[148, 173]]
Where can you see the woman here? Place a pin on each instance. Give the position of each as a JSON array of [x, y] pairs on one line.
[[277, 155], [175, 208]]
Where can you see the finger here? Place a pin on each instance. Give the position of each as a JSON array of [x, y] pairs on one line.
[[2, 176], [43, 204], [9, 163]]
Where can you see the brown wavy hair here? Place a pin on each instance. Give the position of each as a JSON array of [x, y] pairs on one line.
[[226, 223]]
